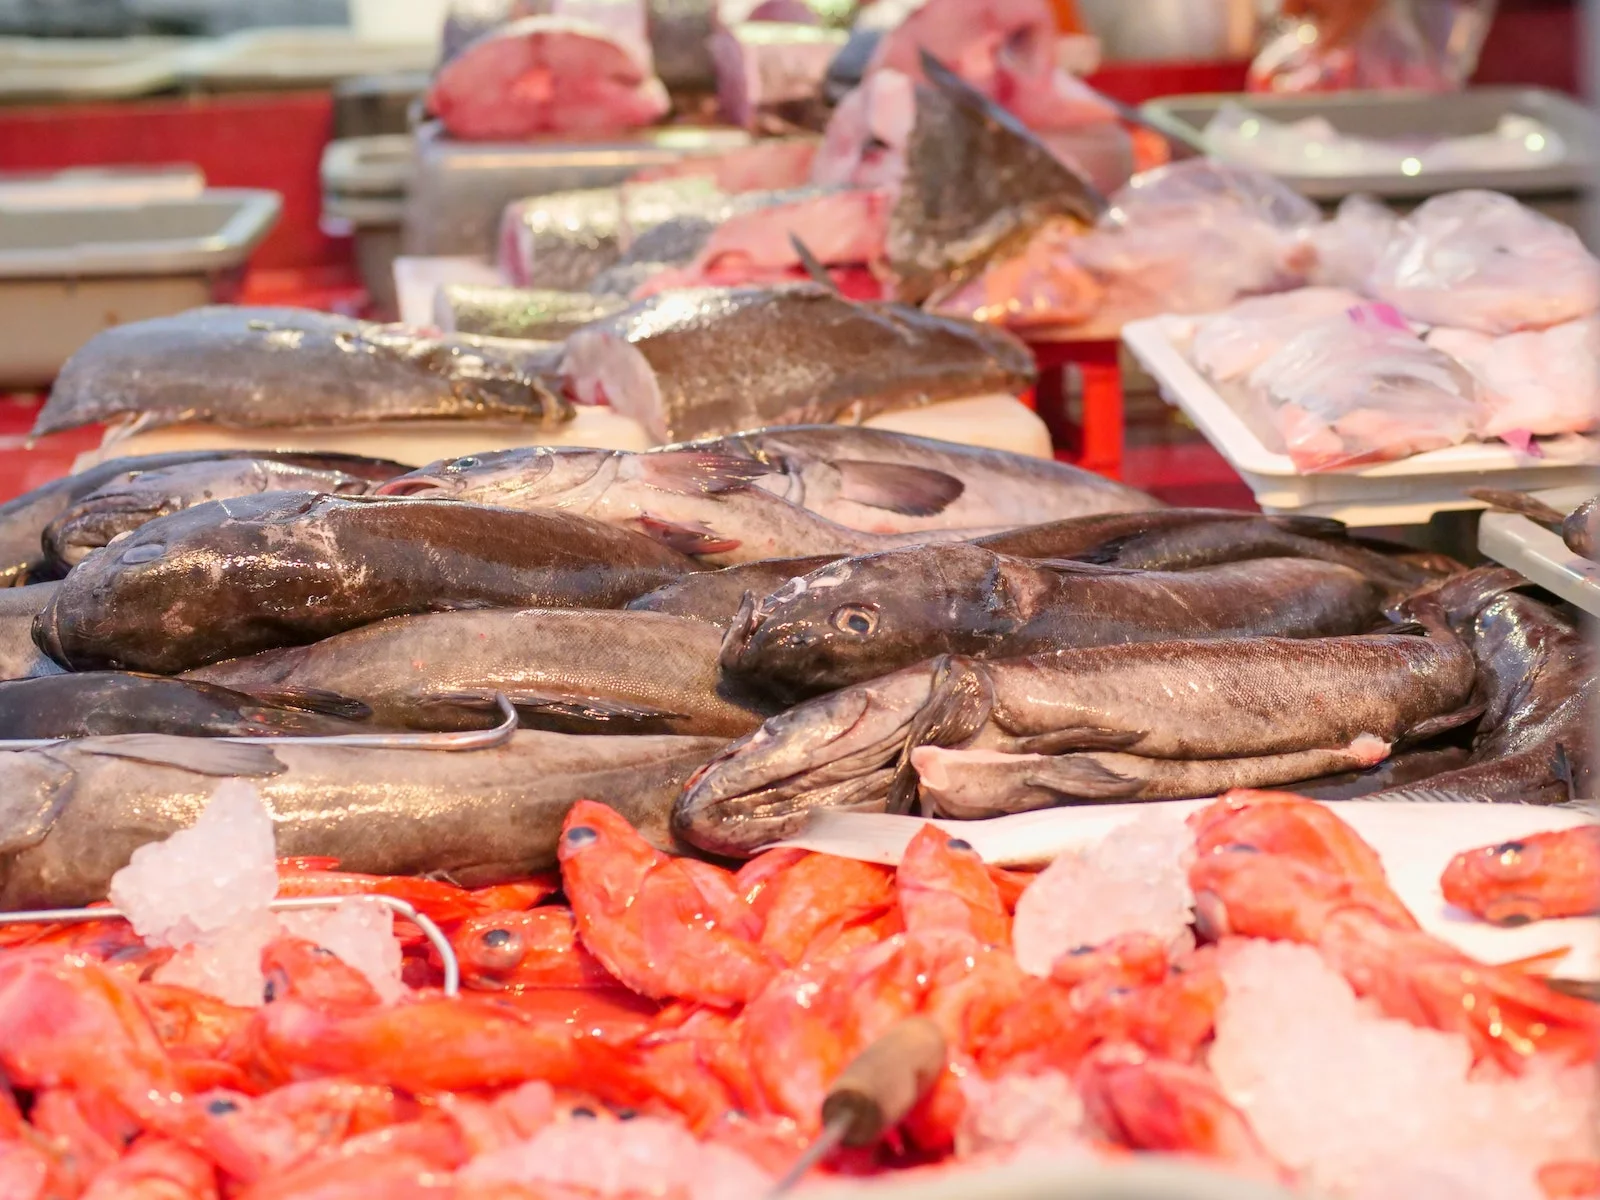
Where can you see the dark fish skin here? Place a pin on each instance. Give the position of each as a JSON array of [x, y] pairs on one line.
[[233, 577], [128, 501], [714, 597], [20, 658], [864, 617], [884, 482], [1536, 675], [1228, 698], [568, 671], [680, 363], [1581, 530], [507, 312], [72, 816], [262, 367], [105, 703], [1407, 767], [23, 520], [978, 182]]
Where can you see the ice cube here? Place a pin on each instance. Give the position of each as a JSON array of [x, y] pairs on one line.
[[225, 963], [219, 872], [1135, 880], [361, 933], [1488, 1174], [1019, 1110]]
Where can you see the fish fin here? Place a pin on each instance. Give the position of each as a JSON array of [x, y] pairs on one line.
[[1078, 777], [1459, 598], [28, 813], [312, 700], [1563, 769], [202, 756], [1443, 723], [896, 487], [812, 264], [569, 706], [1321, 528], [1520, 503], [957, 707], [697, 473], [685, 539], [1579, 989], [1081, 566], [1082, 737]]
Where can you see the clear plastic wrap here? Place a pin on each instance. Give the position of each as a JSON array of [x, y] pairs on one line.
[[1194, 236], [1363, 388], [1479, 260], [1237, 340], [1348, 247], [1534, 384], [1433, 47]]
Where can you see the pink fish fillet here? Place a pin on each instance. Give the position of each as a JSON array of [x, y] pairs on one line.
[[547, 74], [1539, 383]]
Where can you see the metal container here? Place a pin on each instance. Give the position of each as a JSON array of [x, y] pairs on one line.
[[71, 270], [365, 181], [461, 188]]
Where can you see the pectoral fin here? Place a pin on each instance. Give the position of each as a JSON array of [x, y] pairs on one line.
[[895, 487]]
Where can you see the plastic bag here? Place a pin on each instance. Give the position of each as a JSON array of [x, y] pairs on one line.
[[1348, 247], [1432, 45], [1363, 388], [1234, 342], [1536, 384], [1479, 260], [1194, 236]]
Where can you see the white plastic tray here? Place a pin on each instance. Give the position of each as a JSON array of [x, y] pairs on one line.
[[1540, 554], [1406, 492]]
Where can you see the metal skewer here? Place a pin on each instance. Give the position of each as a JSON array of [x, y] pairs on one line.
[[874, 1093], [403, 908]]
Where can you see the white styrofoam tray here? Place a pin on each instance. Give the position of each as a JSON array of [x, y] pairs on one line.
[[1415, 841], [1405, 492], [1540, 554]]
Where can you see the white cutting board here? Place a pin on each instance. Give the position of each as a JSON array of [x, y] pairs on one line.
[[1415, 841]]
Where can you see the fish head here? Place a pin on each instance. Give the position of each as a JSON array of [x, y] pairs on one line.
[[836, 751], [300, 969], [603, 859], [1515, 882], [512, 478], [35, 787], [860, 618]]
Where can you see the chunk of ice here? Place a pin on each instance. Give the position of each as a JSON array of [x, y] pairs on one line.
[[1018, 1110], [1489, 1174], [219, 872], [1135, 880], [225, 963], [360, 932]]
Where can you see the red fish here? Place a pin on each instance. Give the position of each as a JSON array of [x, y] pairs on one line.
[[1534, 878]]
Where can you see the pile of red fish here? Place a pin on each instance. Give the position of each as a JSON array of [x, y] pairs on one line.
[[642, 998]]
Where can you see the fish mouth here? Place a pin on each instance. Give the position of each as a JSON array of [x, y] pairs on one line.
[[737, 640], [47, 633], [415, 485]]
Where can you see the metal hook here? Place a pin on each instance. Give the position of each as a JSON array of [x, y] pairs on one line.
[[472, 739], [431, 931]]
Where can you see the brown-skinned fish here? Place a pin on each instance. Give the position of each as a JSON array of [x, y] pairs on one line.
[[1184, 700], [71, 816], [863, 617], [233, 577], [715, 597], [20, 656]]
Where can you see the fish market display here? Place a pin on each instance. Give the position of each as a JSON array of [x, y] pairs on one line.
[[262, 367], [74, 814], [1245, 990], [1538, 878], [550, 74], [532, 313], [676, 363], [232, 577], [865, 617], [569, 671], [1223, 699]]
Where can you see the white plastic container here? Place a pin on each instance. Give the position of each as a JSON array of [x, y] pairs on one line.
[[417, 21], [1540, 554], [1406, 492]]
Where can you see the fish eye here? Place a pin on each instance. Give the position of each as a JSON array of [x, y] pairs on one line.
[[277, 985], [1511, 911], [501, 949], [148, 552], [465, 464], [627, 1114], [1513, 860], [854, 619], [1080, 951], [958, 844], [581, 835], [222, 1106], [585, 1112], [1238, 848], [497, 939]]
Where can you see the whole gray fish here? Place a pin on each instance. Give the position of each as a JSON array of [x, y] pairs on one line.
[[506, 312], [569, 671], [72, 816], [20, 657], [128, 501], [883, 482], [1536, 677], [859, 618], [232, 577], [978, 183], [103, 703], [1581, 530], [967, 785], [715, 597], [261, 367], [24, 519], [1223, 699], [680, 364], [699, 504]]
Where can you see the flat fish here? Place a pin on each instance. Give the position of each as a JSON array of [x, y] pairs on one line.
[[23, 520], [261, 367], [20, 658], [1176, 700], [679, 363], [885, 482], [72, 816], [540, 314], [565, 670], [233, 577], [862, 617]]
